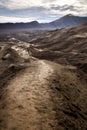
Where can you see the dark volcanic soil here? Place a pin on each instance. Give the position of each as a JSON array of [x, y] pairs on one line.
[[43, 87]]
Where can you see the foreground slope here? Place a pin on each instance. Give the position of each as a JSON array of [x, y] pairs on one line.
[[43, 86]]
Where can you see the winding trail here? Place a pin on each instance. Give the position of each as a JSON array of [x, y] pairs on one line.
[[29, 100]]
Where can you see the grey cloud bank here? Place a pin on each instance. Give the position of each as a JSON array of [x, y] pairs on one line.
[[41, 10]]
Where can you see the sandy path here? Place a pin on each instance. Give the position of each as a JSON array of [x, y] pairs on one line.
[[29, 100]]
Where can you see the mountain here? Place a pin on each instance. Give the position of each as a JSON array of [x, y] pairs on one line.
[[33, 24], [43, 83], [67, 21], [63, 22], [66, 46]]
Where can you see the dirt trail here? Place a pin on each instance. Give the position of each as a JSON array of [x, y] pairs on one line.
[[29, 100]]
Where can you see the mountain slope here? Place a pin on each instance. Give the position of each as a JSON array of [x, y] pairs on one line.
[[67, 21], [43, 82], [66, 46], [33, 24], [42, 95]]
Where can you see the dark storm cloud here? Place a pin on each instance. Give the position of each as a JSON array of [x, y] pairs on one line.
[[65, 7]]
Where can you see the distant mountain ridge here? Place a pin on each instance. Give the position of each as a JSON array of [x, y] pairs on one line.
[[33, 24], [63, 22], [68, 20]]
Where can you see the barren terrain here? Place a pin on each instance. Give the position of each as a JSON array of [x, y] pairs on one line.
[[43, 80]]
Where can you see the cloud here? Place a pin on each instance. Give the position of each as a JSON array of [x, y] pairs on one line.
[[4, 19], [65, 7], [41, 9], [19, 4], [79, 7], [22, 4]]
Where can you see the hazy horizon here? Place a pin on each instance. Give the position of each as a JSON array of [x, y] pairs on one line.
[[43, 11]]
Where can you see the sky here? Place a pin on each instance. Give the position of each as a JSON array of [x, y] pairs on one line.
[[40, 10]]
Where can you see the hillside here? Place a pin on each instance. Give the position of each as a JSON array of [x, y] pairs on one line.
[[43, 80], [18, 26], [63, 22], [67, 21], [67, 45]]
